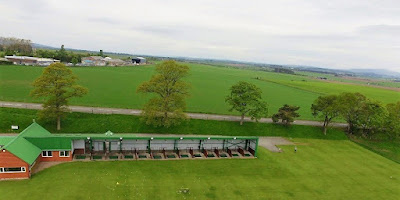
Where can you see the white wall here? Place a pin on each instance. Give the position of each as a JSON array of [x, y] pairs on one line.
[[114, 145], [212, 144], [186, 144], [162, 144], [98, 145], [78, 144], [130, 145]]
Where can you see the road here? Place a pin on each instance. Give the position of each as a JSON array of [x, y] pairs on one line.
[[121, 111]]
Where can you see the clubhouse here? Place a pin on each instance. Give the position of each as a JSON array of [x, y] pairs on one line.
[[20, 154]]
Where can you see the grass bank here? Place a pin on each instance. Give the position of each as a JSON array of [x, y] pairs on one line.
[[96, 123]]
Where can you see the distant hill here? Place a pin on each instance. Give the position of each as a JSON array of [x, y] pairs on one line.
[[41, 46], [376, 73]]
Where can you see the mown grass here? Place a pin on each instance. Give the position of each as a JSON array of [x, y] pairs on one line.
[[387, 148], [96, 123], [321, 169], [116, 86]]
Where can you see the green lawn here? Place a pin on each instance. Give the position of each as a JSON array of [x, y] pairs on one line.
[[321, 169], [116, 86], [387, 148], [96, 123]]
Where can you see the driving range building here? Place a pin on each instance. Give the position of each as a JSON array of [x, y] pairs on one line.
[[19, 154]]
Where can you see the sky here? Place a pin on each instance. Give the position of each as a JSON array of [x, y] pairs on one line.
[[342, 34]]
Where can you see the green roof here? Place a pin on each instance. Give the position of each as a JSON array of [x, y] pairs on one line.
[[6, 139], [22, 148], [51, 143]]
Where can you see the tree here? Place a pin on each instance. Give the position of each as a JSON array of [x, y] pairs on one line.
[[371, 118], [57, 85], [74, 61], [325, 107], [16, 46], [62, 54], [101, 53], [392, 122], [287, 113], [246, 99], [166, 108], [349, 107]]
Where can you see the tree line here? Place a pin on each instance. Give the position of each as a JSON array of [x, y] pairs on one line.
[[11, 46], [363, 115], [169, 92], [21, 47]]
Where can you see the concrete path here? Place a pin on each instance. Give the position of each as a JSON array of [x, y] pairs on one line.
[[43, 165], [271, 142], [121, 111]]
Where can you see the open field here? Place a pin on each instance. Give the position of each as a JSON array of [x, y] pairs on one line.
[[115, 87], [354, 80], [322, 169]]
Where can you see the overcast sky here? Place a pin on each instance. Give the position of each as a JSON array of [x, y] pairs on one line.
[[336, 33]]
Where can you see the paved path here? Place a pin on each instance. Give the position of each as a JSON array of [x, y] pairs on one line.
[[121, 111], [271, 142]]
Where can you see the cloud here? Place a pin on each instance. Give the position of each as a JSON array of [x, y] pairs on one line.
[[382, 29], [339, 34]]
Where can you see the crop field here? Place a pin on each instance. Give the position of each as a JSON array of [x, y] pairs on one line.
[[116, 87], [321, 169], [364, 81]]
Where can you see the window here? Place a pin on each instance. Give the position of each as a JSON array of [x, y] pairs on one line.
[[64, 153], [47, 154], [12, 169]]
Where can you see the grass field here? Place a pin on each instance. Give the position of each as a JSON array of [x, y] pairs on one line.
[[115, 87], [95, 123], [321, 169], [372, 81]]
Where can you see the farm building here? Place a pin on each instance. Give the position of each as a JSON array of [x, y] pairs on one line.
[[19, 154], [100, 61], [26, 60], [139, 60]]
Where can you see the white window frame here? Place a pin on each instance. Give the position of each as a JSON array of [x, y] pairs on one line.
[[23, 170], [64, 156], [47, 154]]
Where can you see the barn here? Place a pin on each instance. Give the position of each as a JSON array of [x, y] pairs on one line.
[[19, 154]]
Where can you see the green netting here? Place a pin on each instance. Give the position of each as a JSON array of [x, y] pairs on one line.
[[128, 156], [80, 157]]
